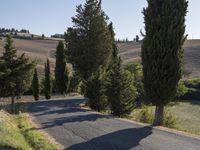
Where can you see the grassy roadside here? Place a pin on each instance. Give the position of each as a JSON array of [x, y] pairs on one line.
[[10, 135], [19, 133], [36, 139], [183, 116]]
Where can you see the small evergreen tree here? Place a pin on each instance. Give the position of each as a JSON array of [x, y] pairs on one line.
[[61, 74], [16, 73], [137, 38], [121, 91], [48, 81], [162, 51], [36, 86], [43, 36], [95, 92]]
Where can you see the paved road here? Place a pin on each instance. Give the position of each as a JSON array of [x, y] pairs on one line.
[[79, 129]]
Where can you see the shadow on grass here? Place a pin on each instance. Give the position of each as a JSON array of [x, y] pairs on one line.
[[6, 148], [194, 102], [123, 139]]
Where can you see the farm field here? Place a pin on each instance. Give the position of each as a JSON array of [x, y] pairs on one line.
[[39, 50]]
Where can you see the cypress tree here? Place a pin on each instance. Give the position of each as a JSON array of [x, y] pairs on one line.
[[95, 92], [89, 41], [137, 38], [120, 88], [162, 51], [61, 74], [16, 74], [114, 45], [48, 81], [36, 86]]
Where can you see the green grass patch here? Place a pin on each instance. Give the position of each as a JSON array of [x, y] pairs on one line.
[[10, 135], [187, 113], [19, 133], [36, 139]]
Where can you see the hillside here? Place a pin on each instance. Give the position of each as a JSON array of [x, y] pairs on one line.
[[130, 52], [39, 50]]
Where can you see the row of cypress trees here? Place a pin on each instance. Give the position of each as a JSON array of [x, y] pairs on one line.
[[62, 78], [47, 82], [93, 55], [92, 50]]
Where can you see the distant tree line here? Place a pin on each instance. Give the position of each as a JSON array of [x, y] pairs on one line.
[[126, 40], [58, 36], [12, 30]]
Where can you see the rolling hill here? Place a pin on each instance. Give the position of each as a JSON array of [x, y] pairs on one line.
[[39, 50]]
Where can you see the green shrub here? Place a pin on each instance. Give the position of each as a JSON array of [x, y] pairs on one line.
[[169, 120], [182, 89], [146, 115], [193, 91], [192, 94], [193, 83]]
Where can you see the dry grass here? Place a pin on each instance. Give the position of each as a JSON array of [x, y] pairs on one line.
[[19, 132], [130, 52], [39, 50], [184, 115]]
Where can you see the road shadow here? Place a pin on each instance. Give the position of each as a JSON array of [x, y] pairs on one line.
[[42, 106], [73, 119], [120, 140]]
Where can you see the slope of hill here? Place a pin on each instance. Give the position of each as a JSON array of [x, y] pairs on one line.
[[39, 50], [130, 52]]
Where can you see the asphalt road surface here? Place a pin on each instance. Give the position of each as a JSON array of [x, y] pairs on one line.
[[79, 129]]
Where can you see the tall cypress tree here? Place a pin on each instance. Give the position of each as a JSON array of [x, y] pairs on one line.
[[115, 50], [162, 51], [15, 73], [48, 81], [89, 41], [61, 74], [120, 88], [36, 86]]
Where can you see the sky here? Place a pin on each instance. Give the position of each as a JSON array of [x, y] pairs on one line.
[[54, 16]]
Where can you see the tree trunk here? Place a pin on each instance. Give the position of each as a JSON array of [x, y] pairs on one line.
[[13, 104], [159, 115]]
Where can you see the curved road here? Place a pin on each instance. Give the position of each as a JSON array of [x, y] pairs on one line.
[[79, 129]]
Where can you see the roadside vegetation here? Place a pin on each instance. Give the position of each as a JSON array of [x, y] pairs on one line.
[[18, 132], [182, 115]]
